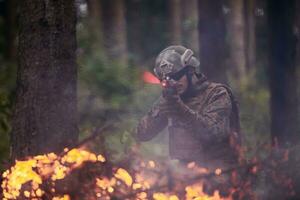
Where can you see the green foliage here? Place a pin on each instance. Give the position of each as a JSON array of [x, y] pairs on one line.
[[7, 92], [253, 97], [5, 111], [111, 81], [110, 90]]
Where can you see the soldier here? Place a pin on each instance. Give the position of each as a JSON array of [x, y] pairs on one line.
[[201, 116]]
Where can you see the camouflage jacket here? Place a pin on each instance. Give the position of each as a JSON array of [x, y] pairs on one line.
[[205, 130]]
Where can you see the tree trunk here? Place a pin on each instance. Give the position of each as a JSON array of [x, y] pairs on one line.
[[282, 70], [114, 30], [236, 35], [212, 33], [297, 31], [175, 21], [95, 22], [45, 114], [190, 37], [250, 34], [135, 25]]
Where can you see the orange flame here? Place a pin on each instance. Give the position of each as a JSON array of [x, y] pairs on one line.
[[37, 169], [148, 77]]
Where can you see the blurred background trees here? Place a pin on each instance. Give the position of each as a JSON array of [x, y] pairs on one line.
[[251, 45], [212, 36]]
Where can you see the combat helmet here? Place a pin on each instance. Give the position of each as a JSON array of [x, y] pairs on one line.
[[173, 59]]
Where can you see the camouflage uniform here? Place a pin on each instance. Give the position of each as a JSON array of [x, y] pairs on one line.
[[203, 121], [203, 129]]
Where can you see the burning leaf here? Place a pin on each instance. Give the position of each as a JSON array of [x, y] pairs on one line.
[[18, 175], [195, 192], [105, 183], [136, 186], [142, 195], [77, 157], [123, 175], [162, 196], [65, 197], [100, 158]]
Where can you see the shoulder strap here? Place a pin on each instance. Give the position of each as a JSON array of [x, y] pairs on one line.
[[234, 116]]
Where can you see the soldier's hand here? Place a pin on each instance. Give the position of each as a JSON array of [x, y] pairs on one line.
[[168, 110], [168, 106]]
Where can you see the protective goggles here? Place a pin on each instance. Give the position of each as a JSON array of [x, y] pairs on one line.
[[178, 75]]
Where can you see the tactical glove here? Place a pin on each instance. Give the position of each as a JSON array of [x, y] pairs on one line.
[[166, 107], [170, 99]]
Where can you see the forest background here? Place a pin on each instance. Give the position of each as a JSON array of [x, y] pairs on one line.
[[251, 45]]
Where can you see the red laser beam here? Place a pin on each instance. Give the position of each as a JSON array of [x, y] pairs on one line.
[[148, 77]]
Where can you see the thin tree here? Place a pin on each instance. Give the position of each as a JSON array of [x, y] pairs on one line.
[[114, 30], [212, 33], [136, 21], [45, 114], [250, 34], [297, 32], [189, 13], [175, 21], [236, 38], [95, 22], [282, 71]]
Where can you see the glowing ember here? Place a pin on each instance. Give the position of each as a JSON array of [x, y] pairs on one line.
[[142, 195], [148, 77], [65, 197], [218, 171], [191, 165], [151, 164], [105, 183], [162, 196]]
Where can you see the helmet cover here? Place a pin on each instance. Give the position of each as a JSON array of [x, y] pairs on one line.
[[172, 60]]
